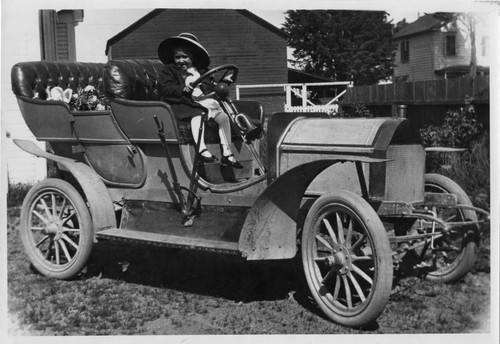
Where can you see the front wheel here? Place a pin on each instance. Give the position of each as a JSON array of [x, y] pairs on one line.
[[56, 229], [347, 258]]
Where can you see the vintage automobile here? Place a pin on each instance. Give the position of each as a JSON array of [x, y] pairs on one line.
[[348, 195]]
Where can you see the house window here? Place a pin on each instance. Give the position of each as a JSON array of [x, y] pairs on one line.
[[405, 51], [450, 45]]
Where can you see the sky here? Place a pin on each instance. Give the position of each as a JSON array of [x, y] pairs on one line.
[[397, 9], [273, 11], [277, 17]]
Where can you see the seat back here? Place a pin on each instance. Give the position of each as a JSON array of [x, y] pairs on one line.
[[32, 78], [132, 79], [132, 88]]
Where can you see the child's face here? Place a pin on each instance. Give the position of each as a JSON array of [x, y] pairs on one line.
[[183, 58]]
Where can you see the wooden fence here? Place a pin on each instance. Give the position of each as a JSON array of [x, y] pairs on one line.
[[440, 92]]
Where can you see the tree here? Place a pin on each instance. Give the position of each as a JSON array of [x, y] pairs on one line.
[[342, 45], [466, 24], [400, 25]]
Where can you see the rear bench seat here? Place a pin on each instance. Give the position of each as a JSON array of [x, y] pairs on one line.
[[92, 136], [128, 83], [50, 119], [31, 78]]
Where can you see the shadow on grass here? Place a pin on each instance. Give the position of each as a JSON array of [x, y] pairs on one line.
[[199, 272], [205, 273]]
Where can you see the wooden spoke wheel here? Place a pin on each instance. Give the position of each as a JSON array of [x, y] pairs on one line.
[[451, 256], [347, 258], [56, 229]]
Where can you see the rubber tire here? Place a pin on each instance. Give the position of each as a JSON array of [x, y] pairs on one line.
[[379, 294], [85, 242], [465, 261]]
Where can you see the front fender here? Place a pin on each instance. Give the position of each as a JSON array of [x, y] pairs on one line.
[[99, 201], [269, 231], [270, 228]]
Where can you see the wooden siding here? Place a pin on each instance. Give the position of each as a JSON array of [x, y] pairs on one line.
[[18, 165], [62, 42], [229, 37], [427, 54], [421, 63], [272, 103], [462, 56]]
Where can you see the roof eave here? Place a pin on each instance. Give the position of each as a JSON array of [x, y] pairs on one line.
[[143, 20], [412, 34]]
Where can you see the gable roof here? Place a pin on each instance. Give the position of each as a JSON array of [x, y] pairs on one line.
[[131, 28], [425, 23], [156, 12]]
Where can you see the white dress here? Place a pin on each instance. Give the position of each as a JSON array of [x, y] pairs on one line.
[[209, 103]]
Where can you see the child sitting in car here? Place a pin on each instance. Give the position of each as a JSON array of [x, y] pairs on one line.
[[184, 60]]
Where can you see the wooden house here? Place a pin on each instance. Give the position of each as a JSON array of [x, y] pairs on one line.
[[238, 37], [437, 46]]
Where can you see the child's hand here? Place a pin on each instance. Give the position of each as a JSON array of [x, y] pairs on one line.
[[197, 93], [228, 79], [188, 89]]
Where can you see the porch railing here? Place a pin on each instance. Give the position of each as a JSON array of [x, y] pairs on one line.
[[301, 91]]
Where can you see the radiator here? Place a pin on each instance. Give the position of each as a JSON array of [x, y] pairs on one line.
[[402, 178]]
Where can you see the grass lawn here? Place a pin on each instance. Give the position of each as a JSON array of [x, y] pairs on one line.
[[133, 289]]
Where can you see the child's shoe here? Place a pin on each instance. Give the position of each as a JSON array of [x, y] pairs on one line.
[[228, 160], [206, 156]]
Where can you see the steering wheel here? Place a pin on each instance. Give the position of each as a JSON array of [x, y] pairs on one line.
[[227, 70]]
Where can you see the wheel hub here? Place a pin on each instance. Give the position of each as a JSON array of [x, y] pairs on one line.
[[340, 259], [55, 228]]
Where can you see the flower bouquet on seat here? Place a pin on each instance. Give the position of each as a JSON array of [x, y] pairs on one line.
[[87, 99], [84, 99]]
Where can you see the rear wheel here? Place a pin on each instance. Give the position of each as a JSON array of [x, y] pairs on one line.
[[453, 254], [56, 229], [347, 258]]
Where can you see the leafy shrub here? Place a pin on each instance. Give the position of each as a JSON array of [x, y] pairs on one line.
[[359, 110], [461, 128], [471, 170], [16, 193]]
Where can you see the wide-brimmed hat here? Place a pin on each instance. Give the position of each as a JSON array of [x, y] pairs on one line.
[[200, 55]]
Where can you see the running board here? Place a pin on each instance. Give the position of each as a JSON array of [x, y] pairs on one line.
[[168, 240]]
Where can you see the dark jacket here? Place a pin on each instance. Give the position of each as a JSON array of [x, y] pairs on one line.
[[170, 85]]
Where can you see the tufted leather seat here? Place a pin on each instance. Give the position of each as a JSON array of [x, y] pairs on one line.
[[132, 79], [30, 78], [137, 80]]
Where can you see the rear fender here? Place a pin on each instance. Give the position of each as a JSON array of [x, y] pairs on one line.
[[99, 201]]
